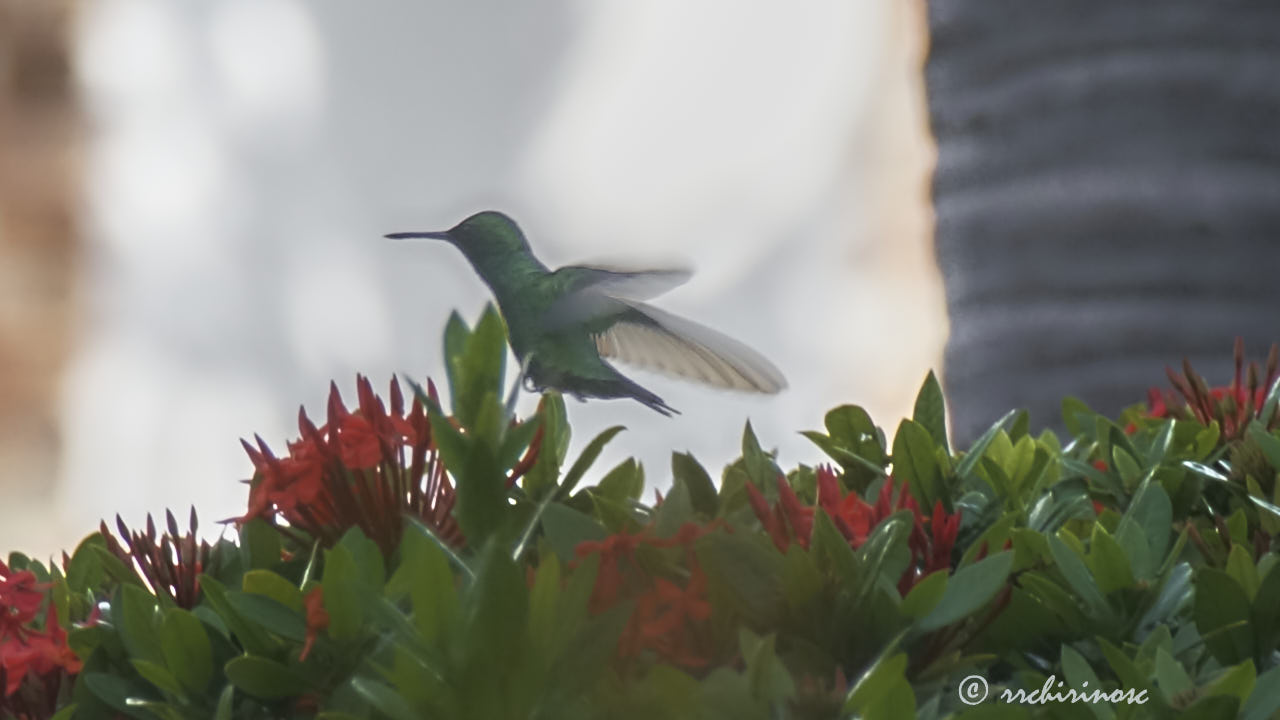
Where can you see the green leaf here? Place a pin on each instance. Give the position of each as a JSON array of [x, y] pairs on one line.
[[342, 594], [542, 602], [748, 568], [264, 678], [565, 528], [476, 380], [1265, 700], [767, 677], [495, 607], [1077, 416], [1079, 579], [760, 467], [384, 699], [1266, 609], [159, 676], [930, 411], [622, 483], [1266, 442], [139, 624], [926, 595], [259, 544], [456, 333], [832, 552], [914, 460], [115, 691], [1079, 674], [801, 581], [85, 572], [424, 573], [1212, 708], [852, 428], [877, 681], [1238, 681], [687, 471], [965, 468], [854, 442], [884, 555], [270, 615], [226, 702], [1268, 410], [1171, 676], [1240, 567], [481, 484], [971, 588], [186, 649], [676, 510], [1108, 562], [253, 638], [585, 459], [1222, 615], [515, 442], [265, 582]]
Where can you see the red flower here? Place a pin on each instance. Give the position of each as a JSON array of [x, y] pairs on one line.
[[171, 562], [317, 619], [1232, 406], [855, 519], [20, 600], [789, 519], [666, 615], [36, 653], [663, 621], [366, 468], [612, 549]]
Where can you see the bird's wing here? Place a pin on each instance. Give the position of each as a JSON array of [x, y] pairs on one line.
[[593, 292], [647, 337]]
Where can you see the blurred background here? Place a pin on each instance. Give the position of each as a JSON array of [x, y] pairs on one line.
[[192, 199]]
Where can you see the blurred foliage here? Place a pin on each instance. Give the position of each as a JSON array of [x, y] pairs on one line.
[[423, 562]]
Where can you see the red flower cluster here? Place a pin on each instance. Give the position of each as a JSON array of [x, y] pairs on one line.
[[26, 652], [791, 520], [1233, 406], [353, 471], [668, 616], [171, 562]]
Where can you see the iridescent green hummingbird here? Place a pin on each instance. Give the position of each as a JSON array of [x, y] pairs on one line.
[[565, 324]]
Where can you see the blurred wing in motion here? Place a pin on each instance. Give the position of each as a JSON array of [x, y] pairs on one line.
[[649, 338], [595, 292]]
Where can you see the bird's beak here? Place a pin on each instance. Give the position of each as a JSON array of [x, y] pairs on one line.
[[442, 235]]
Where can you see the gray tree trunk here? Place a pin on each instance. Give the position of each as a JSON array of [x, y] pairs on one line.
[[1107, 196]]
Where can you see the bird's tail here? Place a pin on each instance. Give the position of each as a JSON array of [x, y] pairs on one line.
[[649, 399]]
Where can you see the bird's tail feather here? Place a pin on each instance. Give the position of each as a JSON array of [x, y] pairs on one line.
[[649, 399]]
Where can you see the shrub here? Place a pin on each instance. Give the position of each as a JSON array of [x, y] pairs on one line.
[[404, 560]]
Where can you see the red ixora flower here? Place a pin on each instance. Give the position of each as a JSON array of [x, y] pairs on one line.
[[1232, 406], [171, 562], [20, 600], [791, 521], [368, 468], [27, 653], [668, 614]]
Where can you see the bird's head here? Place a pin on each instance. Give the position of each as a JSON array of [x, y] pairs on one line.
[[488, 234]]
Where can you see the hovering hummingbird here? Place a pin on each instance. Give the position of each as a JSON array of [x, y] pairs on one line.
[[565, 324]]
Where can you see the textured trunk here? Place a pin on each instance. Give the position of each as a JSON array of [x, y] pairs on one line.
[[1107, 196]]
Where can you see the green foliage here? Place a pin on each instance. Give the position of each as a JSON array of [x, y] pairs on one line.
[[1136, 557]]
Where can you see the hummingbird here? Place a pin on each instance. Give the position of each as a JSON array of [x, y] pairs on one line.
[[565, 325]]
